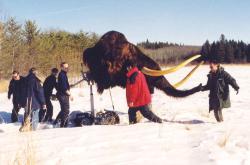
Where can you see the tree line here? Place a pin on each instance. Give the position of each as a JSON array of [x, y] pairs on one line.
[[25, 45], [223, 51], [156, 45], [168, 52], [226, 51], [171, 54]]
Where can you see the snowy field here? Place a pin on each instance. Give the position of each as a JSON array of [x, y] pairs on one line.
[[190, 137]]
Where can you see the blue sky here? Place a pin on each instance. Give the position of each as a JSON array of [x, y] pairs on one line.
[[182, 21]]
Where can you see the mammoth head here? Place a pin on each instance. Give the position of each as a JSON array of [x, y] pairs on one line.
[[106, 61]]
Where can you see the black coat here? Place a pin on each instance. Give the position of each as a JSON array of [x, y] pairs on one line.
[[63, 83], [48, 85], [34, 91], [15, 89], [218, 85]]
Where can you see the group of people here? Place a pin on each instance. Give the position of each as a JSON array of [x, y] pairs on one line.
[[29, 93]]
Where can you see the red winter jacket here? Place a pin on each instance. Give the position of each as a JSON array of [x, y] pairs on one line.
[[137, 92]]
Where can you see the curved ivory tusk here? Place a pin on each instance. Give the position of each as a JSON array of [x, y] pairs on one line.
[[188, 75], [152, 72]]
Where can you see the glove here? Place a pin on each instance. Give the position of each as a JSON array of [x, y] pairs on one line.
[[44, 107], [53, 97], [199, 87], [237, 91]]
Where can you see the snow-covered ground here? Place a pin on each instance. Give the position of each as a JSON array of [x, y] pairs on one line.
[[191, 136]]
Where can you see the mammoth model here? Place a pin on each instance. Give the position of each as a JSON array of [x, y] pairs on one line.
[[106, 63]]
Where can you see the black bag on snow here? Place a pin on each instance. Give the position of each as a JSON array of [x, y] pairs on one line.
[[102, 118], [82, 119], [107, 118]]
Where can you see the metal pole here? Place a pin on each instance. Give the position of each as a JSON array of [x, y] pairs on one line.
[[92, 99], [111, 99]]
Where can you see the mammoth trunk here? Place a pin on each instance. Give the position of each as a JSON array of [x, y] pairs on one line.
[[167, 88]]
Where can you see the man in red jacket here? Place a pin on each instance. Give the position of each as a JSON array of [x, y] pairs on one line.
[[138, 95]]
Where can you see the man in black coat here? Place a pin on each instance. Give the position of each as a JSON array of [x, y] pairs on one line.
[[49, 84], [218, 85], [63, 95], [15, 89], [35, 100]]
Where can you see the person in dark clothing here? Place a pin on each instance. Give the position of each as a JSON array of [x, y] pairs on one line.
[[63, 95], [218, 85], [15, 89], [49, 84], [138, 95], [35, 101]]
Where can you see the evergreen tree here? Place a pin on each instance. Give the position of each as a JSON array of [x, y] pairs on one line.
[[221, 49], [248, 53], [229, 54], [227, 50], [205, 49], [237, 54], [213, 52], [12, 38], [31, 34], [243, 48], [222, 38]]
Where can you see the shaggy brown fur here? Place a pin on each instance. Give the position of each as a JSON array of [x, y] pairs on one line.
[[106, 62]]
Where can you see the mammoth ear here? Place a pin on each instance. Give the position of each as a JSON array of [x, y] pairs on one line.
[[129, 52], [133, 53], [87, 57], [133, 50]]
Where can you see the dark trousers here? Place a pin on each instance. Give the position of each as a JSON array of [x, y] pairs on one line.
[[15, 110], [145, 113], [218, 114], [42, 113], [49, 113], [62, 117]]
